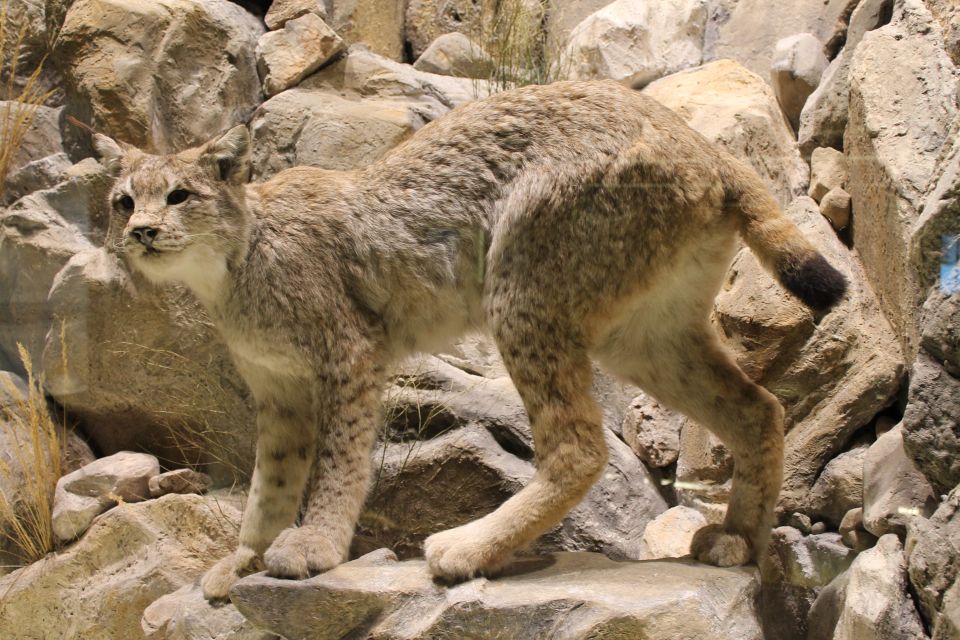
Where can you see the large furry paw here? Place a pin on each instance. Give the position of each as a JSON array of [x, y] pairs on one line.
[[714, 545], [217, 581], [299, 552], [463, 553]]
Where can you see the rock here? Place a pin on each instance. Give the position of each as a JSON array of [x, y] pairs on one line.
[[569, 595], [876, 605], [947, 14], [38, 235], [940, 329], [801, 522], [669, 534], [287, 56], [733, 107], [179, 481], [852, 532], [835, 207], [894, 491], [653, 431], [133, 554], [824, 116], [42, 137], [828, 170], [469, 439], [818, 527], [563, 16], [378, 24], [704, 469], [636, 42], [832, 375], [34, 176], [143, 368], [282, 11], [186, 615], [454, 54], [825, 611], [427, 20], [931, 423], [798, 62], [840, 486], [89, 491], [747, 30], [180, 70], [933, 548], [902, 101]]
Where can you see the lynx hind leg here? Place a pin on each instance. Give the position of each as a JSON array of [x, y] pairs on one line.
[[692, 373], [553, 378]]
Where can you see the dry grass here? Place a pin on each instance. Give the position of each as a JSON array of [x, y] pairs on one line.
[[17, 115], [35, 447]]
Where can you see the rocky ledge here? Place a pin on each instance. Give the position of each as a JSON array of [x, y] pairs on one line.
[[559, 596]]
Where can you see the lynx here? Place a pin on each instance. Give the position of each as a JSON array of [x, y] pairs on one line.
[[571, 221]]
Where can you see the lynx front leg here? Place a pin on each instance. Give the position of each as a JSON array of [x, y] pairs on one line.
[[337, 490], [570, 450], [285, 447]]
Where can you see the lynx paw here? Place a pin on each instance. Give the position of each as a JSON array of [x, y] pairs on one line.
[[299, 552], [217, 581], [463, 553], [713, 545]]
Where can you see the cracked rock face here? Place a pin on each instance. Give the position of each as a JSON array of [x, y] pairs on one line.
[[565, 595]]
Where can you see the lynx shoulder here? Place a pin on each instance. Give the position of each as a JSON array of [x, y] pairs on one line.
[[574, 221]]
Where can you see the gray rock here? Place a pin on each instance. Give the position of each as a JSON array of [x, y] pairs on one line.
[[454, 54], [894, 491], [828, 170], [798, 62], [940, 329], [826, 609], [876, 605], [902, 102], [179, 481], [852, 532], [132, 555], [35, 175], [282, 11], [97, 486], [288, 55], [566, 595], [186, 615], [42, 137], [931, 423], [933, 549], [181, 71], [636, 42], [835, 207], [652, 431], [839, 488]]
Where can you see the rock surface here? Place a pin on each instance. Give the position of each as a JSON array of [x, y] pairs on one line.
[[186, 615], [378, 24], [178, 481], [636, 42], [126, 61], [931, 423], [839, 488], [454, 54], [133, 554], [835, 207], [566, 595], [894, 491], [288, 55], [798, 62], [669, 534], [282, 11], [653, 431], [89, 491], [828, 170], [933, 548], [735, 108]]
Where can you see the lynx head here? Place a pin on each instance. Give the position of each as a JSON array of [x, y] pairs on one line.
[[180, 217]]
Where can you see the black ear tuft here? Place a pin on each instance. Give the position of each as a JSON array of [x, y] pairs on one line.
[[230, 154], [815, 282]]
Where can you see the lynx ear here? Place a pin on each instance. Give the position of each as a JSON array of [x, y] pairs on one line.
[[110, 152], [230, 155]]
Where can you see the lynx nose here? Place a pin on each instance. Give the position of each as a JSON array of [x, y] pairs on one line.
[[145, 235]]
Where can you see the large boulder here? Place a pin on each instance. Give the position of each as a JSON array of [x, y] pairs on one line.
[[186, 615], [933, 548], [145, 370], [288, 55], [735, 108], [378, 24], [833, 374], [566, 595], [902, 101], [133, 554], [636, 41], [563, 16], [798, 62], [454, 54], [161, 75], [39, 140], [839, 487], [931, 423]]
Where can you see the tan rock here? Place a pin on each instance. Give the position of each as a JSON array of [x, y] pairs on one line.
[[852, 532], [839, 488], [564, 15], [186, 615], [378, 24], [133, 554], [835, 207], [933, 549], [798, 62], [568, 595], [894, 491], [178, 70], [454, 54], [669, 534], [902, 101], [281, 11], [287, 56], [653, 431], [735, 108], [828, 170], [179, 481]]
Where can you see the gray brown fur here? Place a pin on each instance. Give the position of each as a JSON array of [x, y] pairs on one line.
[[572, 221]]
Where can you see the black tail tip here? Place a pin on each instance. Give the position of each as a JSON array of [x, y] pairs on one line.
[[815, 282]]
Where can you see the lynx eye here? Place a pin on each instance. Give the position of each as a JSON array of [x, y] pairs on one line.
[[177, 196], [126, 203]]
